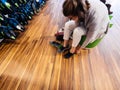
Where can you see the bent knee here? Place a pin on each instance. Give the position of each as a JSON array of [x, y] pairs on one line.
[[79, 31], [70, 24]]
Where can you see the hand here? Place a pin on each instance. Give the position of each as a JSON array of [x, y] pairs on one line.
[[78, 50]]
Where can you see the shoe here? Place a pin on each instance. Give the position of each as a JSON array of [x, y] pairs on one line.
[[63, 49], [55, 44], [68, 55]]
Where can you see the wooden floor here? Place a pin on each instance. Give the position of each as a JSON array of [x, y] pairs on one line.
[[30, 63]]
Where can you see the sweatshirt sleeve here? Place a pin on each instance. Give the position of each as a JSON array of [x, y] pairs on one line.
[[91, 33], [96, 23]]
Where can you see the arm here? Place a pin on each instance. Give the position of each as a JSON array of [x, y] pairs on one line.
[[96, 26], [90, 35]]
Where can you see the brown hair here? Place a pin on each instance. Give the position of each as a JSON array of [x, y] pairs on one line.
[[74, 7]]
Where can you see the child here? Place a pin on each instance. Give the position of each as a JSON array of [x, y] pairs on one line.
[[88, 18]]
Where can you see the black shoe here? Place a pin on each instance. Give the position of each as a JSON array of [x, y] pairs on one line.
[[68, 55], [62, 49], [55, 44]]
